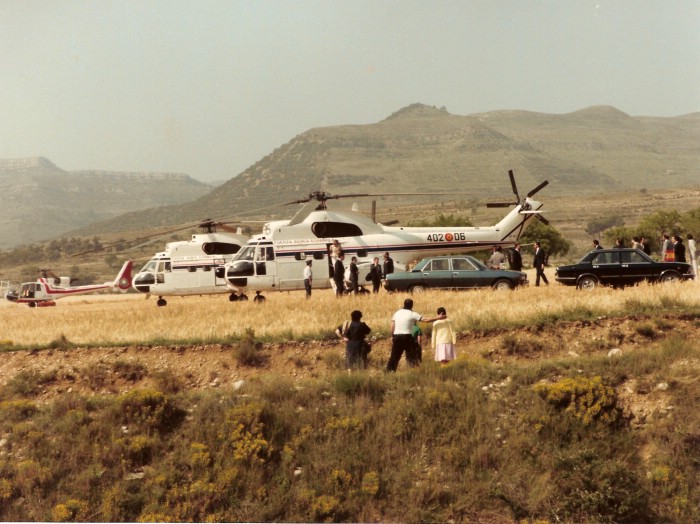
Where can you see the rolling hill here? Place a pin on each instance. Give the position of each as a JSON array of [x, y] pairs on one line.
[[42, 201], [598, 150]]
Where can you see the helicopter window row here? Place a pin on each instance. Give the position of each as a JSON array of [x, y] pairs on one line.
[[302, 256], [220, 248], [335, 229]]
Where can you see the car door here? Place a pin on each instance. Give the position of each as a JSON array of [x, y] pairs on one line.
[[437, 273], [635, 267], [465, 274], [606, 266]]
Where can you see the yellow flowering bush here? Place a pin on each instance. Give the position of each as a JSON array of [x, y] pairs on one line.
[[587, 399]]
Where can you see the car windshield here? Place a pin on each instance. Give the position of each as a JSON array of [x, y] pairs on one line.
[[420, 265], [478, 263]]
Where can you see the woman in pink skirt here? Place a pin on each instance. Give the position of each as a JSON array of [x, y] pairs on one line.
[[444, 339]]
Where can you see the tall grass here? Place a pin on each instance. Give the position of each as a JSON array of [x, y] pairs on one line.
[[288, 316]]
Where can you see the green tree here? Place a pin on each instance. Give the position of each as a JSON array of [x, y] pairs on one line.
[[549, 237], [597, 225], [661, 222]]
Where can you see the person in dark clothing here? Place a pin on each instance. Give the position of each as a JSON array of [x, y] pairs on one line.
[[354, 333], [516, 259], [596, 244], [538, 264], [388, 264], [645, 246], [339, 275], [354, 276], [678, 249], [375, 275]]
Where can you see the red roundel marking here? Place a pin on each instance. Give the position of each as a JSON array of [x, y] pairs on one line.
[[449, 237]]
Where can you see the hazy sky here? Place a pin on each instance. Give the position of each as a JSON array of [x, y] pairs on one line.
[[208, 87]]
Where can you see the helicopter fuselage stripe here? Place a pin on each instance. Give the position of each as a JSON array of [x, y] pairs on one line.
[[437, 246]]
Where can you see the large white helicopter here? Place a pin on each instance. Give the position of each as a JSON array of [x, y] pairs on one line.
[[189, 267], [48, 288], [274, 260]]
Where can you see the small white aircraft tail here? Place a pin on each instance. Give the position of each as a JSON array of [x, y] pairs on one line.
[[123, 281]]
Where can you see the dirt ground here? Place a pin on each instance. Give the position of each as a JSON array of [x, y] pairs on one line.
[[116, 370]]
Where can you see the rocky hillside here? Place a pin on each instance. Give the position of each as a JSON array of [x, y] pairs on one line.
[[41, 200], [421, 148]]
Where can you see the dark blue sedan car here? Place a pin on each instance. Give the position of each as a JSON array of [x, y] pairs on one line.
[[453, 272]]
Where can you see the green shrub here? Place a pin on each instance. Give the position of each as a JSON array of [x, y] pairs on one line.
[[17, 410], [584, 398], [150, 409], [247, 352]]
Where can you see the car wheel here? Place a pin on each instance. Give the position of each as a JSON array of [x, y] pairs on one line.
[[502, 284], [417, 289], [671, 276], [587, 283]]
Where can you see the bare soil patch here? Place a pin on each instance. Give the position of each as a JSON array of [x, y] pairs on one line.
[[116, 370]]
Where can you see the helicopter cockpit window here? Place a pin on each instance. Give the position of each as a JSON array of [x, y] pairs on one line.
[[246, 253], [335, 229], [265, 253], [150, 266]]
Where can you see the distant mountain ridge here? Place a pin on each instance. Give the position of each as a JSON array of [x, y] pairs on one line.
[[42, 201], [421, 148]]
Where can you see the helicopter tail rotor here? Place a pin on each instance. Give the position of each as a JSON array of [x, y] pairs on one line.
[[518, 200]]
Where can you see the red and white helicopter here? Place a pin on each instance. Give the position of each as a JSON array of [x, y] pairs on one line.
[[274, 261], [48, 288]]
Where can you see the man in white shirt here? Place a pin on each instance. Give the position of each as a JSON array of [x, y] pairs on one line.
[[307, 278], [402, 335]]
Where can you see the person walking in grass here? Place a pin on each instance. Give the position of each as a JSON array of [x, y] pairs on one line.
[[402, 335], [538, 264], [444, 338], [693, 254]]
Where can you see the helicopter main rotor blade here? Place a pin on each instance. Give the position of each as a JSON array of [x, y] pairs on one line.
[[501, 204], [543, 184], [512, 184]]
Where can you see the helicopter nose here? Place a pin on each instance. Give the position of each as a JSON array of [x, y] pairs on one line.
[[143, 282]]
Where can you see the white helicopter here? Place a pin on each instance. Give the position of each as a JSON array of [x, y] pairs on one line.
[[189, 267], [48, 288], [274, 261]]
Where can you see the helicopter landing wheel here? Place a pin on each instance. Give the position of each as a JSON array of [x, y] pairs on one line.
[[232, 297], [258, 298], [161, 302], [242, 296]]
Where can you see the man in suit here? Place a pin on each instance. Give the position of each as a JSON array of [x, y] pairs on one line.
[[538, 264], [339, 275], [516, 259], [678, 249], [388, 264]]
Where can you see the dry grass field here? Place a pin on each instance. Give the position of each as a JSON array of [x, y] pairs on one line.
[[287, 316]]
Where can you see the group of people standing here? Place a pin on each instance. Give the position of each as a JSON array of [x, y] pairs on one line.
[[406, 337], [672, 249], [376, 272]]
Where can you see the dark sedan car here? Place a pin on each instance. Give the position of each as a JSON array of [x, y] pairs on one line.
[[455, 272], [620, 268]]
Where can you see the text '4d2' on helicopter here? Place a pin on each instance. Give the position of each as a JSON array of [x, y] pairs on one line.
[[48, 288], [188, 267], [274, 260]]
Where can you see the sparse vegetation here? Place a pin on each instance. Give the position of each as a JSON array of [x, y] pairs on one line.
[[542, 427]]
